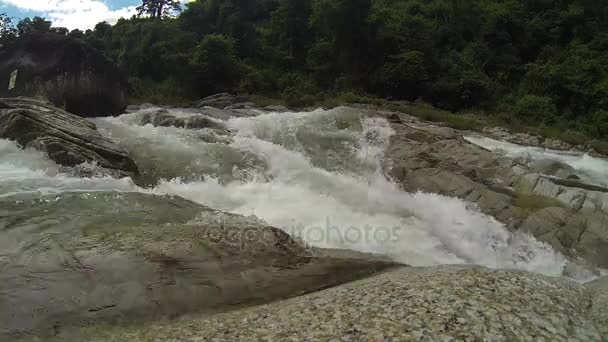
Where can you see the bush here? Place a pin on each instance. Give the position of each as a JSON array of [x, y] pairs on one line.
[[298, 90], [169, 91], [214, 58], [257, 81], [600, 122], [574, 137], [532, 108]]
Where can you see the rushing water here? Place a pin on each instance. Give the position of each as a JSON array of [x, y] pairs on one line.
[[314, 174], [588, 168]]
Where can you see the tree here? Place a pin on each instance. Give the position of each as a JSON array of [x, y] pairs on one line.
[[215, 61], [159, 9], [7, 30], [76, 33], [60, 30], [37, 24]]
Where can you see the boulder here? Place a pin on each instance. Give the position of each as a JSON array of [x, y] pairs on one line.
[[221, 101], [446, 303], [69, 140], [66, 71], [276, 108], [164, 119], [83, 259]]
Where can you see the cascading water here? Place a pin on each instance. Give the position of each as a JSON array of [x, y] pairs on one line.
[[588, 168], [314, 174]]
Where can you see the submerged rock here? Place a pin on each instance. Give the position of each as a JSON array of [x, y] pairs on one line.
[[77, 260], [66, 71], [451, 303], [69, 140]]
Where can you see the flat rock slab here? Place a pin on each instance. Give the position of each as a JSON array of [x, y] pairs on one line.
[[69, 140], [446, 303], [76, 260]]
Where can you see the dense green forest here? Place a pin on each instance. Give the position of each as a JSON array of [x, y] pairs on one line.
[[538, 60]]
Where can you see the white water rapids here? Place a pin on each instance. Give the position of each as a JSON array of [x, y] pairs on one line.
[[588, 168], [315, 174]]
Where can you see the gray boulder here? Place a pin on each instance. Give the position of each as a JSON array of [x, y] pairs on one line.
[[164, 119], [68, 139], [66, 71], [221, 100], [81, 260], [452, 303]]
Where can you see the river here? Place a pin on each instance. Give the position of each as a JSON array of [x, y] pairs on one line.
[[317, 175]]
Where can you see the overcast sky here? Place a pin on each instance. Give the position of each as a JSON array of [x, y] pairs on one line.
[[82, 14]]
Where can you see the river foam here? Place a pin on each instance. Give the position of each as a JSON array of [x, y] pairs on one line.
[[593, 170], [314, 174]]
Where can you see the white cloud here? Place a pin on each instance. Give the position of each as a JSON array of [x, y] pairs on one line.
[[81, 14]]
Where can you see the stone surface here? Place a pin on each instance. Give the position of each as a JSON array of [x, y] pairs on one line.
[[68, 139], [541, 197], [82, 259], [66, 71], [221, 101], [454, 303], [163, 118]]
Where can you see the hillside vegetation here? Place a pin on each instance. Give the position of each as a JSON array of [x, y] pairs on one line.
[[531, 62]]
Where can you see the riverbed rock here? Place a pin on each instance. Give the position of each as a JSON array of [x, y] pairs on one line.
[[543, 198], [66, 71], [80, 259], [163, 118], [448, 303], [221, 101], [69, 140]]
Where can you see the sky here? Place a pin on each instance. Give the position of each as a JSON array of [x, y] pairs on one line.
[[81, 14]]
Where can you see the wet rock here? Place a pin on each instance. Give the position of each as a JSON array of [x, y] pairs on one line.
[[221, 101], [277, 108], [536, 196], [66, 71], [68, 139], [451, 303], [135, 108], [556, 145], [163, 118], [241, 105], [504, 134], [131, 258]]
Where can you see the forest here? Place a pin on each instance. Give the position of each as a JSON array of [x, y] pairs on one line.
[[532, 60]]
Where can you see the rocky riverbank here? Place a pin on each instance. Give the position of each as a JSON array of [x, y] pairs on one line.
[[536, 192], [102, 259]]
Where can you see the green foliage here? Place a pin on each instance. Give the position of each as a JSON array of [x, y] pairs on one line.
[[600, 123], [169, 91], [8, 32], [541, 64], [36, 23], [532, 108], [159, 9], [298, 90], [214, 60]]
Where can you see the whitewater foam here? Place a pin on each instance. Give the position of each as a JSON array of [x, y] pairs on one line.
[[314, 174], [27, 171], [593, 170]]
